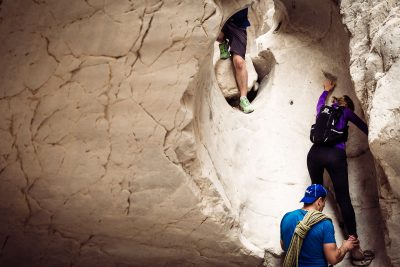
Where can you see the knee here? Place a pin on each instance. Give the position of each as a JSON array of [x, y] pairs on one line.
[[221, 37], [239, 63]]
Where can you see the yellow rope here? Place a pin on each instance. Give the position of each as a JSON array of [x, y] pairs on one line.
[[292, 256]]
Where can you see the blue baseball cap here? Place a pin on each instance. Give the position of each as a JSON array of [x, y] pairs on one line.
[[313, 192]]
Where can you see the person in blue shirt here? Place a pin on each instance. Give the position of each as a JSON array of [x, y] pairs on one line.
[[319, 245], [233, 39]]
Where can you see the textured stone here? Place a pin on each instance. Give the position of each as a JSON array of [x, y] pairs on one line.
[[264, 63], [98, 156], [118, 149], [374, 67]]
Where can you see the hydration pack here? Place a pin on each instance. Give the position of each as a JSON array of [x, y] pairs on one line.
[[324, 131]]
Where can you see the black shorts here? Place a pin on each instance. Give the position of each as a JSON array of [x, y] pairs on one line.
[[237, 38]]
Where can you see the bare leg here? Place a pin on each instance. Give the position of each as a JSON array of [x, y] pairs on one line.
[[241, 74], [221, 37]]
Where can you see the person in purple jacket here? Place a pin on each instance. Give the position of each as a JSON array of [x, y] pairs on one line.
[[333, 158]]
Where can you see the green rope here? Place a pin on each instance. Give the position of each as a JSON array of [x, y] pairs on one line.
[[292, 256]]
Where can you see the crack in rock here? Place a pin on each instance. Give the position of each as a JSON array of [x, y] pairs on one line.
[[7, 236]]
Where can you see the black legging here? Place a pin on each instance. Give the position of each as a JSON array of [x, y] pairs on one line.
[[334, 160]]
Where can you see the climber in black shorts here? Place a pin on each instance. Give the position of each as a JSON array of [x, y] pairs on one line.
[[233, 38]]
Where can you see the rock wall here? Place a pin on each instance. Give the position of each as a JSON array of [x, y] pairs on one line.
[[96, 135], [374, 27], [117, 147], [260, 157]]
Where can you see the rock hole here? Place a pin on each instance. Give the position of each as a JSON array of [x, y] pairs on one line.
[[278, 27]]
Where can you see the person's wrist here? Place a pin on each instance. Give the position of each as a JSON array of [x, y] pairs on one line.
[[345, 247]]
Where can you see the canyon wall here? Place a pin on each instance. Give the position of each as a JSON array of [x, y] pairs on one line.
[[374, 27], [117, 147], [98, 157]]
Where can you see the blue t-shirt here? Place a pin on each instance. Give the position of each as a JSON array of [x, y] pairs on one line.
[[312, 251]]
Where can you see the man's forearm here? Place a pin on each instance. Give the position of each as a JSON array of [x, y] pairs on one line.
[[340, 254], [334, 254]]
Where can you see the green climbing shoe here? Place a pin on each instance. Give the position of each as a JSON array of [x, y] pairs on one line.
[[223, 50], [245, 105]]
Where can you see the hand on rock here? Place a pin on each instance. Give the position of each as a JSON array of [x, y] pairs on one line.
[[329, 85]]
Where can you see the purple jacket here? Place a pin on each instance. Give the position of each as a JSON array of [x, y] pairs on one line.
[[348, 115]]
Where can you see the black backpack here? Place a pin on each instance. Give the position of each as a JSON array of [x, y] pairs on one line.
[[323, 132]]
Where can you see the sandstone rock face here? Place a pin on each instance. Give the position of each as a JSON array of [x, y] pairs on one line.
[[98, 163], [117, 147], [225, 74], [375, 68], [268, 177]]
